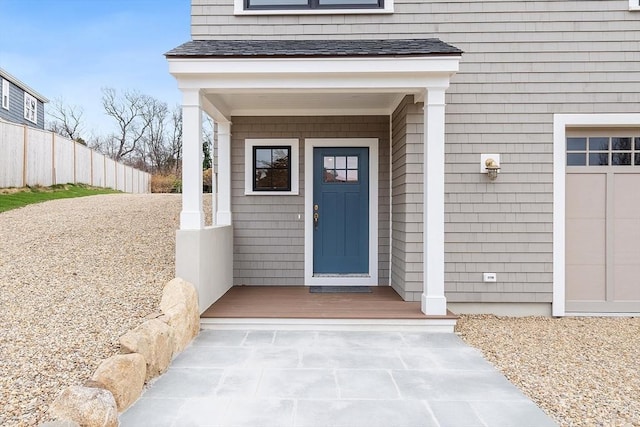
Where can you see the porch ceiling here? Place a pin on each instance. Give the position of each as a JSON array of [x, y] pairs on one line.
[[262, 103]]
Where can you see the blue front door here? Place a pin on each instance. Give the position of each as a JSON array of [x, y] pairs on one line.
[[340, 210]]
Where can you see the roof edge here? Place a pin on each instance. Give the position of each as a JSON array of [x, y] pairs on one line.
[[7, 76], [339, 48]]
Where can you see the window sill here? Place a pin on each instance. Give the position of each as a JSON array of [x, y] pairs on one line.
[[271, 193], [634, 5]]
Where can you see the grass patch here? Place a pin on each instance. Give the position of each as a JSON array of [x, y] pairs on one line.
[[13, 198]]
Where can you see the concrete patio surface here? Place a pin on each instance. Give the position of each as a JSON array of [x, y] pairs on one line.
[[281, 378]]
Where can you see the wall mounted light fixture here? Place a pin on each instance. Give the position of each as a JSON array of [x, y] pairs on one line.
[[490, 164]]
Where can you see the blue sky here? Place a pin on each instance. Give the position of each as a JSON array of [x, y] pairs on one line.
[[70, 49]]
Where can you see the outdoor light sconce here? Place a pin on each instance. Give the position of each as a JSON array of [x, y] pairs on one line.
[[490, 164]]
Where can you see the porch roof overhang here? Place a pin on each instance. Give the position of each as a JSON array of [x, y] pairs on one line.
[[304, 77]]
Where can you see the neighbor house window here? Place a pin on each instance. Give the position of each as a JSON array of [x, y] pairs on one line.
[[30, 108], [5, 94], [271, 166], [314, 4]]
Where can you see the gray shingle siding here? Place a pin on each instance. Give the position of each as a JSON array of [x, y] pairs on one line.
[[268, 237], [523, 62], [407, 154]]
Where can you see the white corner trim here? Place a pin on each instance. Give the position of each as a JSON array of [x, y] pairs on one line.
[[372, 144], [224, 216], [238, 9], [560, 124], [559, 175], [634, 5], [248, 165]]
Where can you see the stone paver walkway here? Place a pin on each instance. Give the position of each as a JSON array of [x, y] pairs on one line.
[[327, 378]]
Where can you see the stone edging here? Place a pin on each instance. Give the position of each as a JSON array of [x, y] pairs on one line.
[[146, 353]]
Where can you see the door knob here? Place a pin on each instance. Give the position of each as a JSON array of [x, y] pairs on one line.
[[316, 217]]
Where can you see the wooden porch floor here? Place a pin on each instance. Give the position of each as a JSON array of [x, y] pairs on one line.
[[296, 302]]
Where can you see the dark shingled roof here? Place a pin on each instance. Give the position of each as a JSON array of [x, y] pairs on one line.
[[311, 48]]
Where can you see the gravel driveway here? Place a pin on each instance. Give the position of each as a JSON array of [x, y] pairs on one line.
[[76, 274]]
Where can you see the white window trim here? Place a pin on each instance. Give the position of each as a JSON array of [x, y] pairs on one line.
[[248, 166], [238, 9], [560, 124], [5, 94], [372, 278], [29, 97], [634, 5]]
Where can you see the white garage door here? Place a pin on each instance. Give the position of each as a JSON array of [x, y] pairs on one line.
[[603, 221]]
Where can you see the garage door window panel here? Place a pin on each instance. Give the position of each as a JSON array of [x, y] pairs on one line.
[[603, 151]]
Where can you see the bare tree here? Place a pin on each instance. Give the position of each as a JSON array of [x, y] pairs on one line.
[[208, 135], [128, 110], [67, 120], [175, 139], [156, 150]]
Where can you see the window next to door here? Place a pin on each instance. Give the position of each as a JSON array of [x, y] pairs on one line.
[[271, 166]]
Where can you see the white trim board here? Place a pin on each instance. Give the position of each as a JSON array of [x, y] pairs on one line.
[[560, 124], [299, 324], [372, 278], [249, 143]]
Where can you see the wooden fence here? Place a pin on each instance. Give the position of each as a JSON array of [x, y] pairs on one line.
[[32, 157]]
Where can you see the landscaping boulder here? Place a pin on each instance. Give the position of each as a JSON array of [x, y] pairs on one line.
[[86, 406], [179, 304], [123, 375], [154, 341]]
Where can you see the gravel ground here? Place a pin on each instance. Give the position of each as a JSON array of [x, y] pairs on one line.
[[581, 371], [76, 274]]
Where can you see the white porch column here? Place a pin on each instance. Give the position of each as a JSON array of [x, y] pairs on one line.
[[433, 299], [224, 174], [192, 216]]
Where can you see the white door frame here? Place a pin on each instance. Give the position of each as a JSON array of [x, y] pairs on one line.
[[560, 124], [372, 278]]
